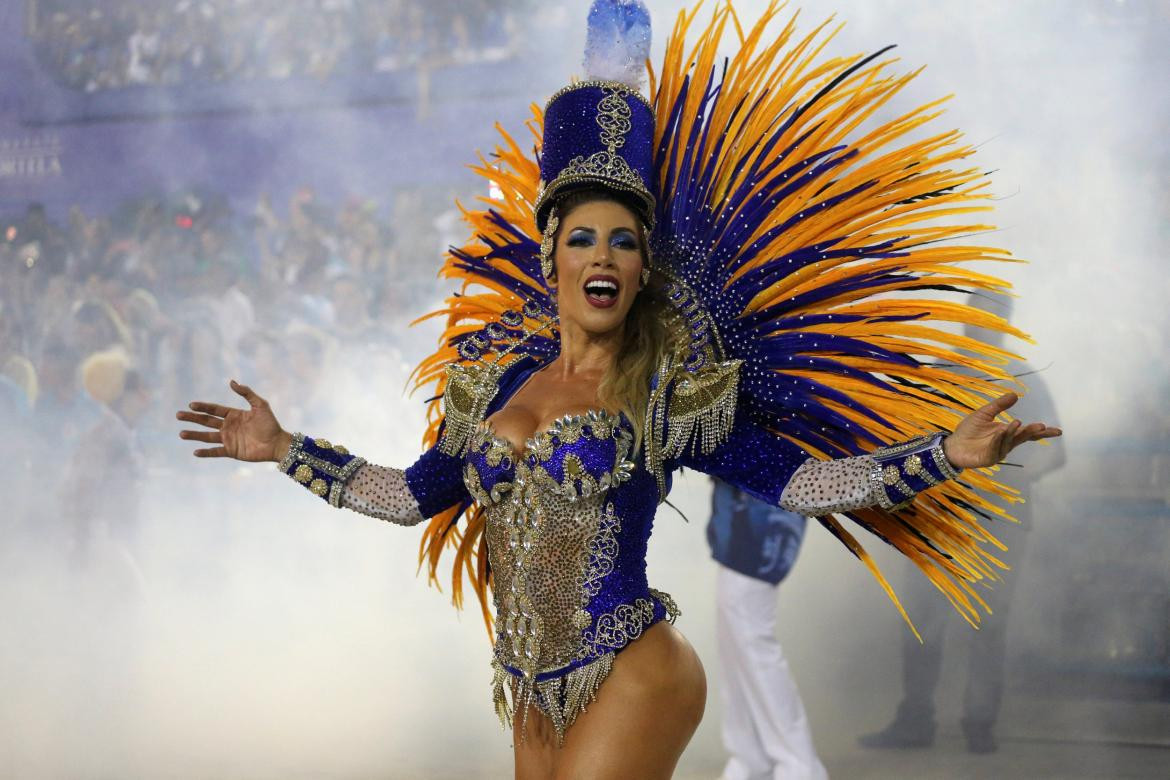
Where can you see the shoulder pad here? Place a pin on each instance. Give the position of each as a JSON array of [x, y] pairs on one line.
[[470, 387], [700, 407]]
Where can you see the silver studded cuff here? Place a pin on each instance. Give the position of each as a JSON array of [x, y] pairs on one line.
[[321, 466], [911, 467], [878, 491]]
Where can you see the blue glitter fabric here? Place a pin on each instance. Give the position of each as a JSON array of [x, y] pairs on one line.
[[436, 482], [751, 459]]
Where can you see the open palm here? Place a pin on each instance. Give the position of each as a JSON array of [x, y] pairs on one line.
[[980, 440], [251, 434]]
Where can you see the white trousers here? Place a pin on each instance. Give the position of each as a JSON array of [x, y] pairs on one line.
[[765, 729]]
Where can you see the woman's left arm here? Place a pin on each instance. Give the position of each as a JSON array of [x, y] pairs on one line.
[[780, 472]]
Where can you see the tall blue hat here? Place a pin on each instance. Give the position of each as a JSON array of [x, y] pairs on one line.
[[600, 133]]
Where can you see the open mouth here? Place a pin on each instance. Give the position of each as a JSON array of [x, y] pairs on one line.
[[601, 290]]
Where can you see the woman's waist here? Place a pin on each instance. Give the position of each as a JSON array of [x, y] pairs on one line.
[[608, 624]]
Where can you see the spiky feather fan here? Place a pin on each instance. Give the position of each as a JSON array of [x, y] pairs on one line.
[[818, 239]]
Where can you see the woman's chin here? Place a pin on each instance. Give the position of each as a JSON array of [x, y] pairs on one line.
[[599, 321]]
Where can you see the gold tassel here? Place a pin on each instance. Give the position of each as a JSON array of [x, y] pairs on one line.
[[470, 388], [500, 678], [560, 699], [702, 409], [580, 688]]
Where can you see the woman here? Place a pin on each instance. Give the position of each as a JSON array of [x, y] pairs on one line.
[[562, 422]]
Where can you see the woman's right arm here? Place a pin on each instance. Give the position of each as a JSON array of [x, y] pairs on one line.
[[404, 497], [401, 496]]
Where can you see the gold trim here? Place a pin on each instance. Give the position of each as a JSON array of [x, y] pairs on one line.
[[548, 243], [618, 85], [701, 410], [469, 390]]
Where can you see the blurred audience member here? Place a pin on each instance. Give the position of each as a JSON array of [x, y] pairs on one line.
[[914, 723], [101, 483]]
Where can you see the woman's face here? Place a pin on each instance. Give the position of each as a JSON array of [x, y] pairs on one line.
[[598, 262]]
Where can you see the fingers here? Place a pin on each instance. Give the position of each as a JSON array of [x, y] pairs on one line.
[[219, 410], [1032, 432], [1037, 431], [214, 452], [1005, 439], [999, 405], [211, 437], [248, 393], [1027, 433], [200, 419]]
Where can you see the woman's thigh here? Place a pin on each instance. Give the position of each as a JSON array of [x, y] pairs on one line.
[[534, 744], [645, 713]]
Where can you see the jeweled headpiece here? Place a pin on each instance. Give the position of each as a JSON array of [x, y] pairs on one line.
[[600, 132]]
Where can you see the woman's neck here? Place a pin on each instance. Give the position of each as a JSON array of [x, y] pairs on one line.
[[584, 353]]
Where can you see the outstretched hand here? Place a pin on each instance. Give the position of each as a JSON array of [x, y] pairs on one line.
[[980, 440], [251, 434]]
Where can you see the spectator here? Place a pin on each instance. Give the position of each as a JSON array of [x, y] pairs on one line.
[[100, 488], [765, 729], [913, 725], [96, 45]]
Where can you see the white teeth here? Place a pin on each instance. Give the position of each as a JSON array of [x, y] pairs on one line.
[[602, 285]]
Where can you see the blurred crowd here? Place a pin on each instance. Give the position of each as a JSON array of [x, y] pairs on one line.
[[95, 45], [109, 324]]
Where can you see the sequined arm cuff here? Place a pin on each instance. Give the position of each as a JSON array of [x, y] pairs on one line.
[[889, 477], [322, 467], [902, 471]]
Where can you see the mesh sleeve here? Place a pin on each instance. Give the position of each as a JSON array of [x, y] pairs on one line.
[[822, 487], [889, 477], [381, 492], [405, 497]]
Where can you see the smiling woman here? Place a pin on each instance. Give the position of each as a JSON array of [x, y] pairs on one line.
[[707, 280], [599, 255]]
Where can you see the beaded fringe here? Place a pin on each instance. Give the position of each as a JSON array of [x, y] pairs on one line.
[[562, 698], [702, 409], [469, 390]]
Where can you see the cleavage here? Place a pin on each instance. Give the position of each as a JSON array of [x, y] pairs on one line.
[[574, 456], [520, 452]]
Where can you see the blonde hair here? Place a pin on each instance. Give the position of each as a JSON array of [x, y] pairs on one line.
[[103, 374], [625, 386], [21, 370]]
